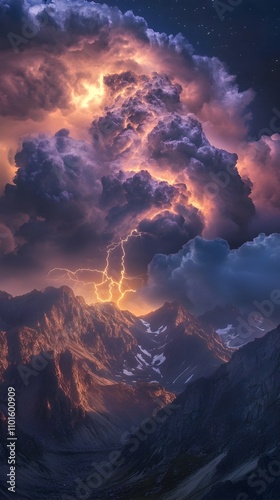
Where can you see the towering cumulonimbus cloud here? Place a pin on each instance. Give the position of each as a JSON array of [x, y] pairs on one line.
[[106, 126]]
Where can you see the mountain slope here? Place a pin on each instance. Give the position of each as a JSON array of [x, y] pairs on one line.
[[173, 348], [223, 429], [86, 375], [234, 328], [169, 346], [61, 356]]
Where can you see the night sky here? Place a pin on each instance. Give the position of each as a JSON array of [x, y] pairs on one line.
[[247, 40]]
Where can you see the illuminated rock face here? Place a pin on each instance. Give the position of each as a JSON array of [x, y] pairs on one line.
[[106, 342], [84, 375]]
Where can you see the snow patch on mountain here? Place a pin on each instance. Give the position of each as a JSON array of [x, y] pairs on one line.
[[126, 372], [158, 360], [149, 330], [224, 331], [157, 371], [145, 352]]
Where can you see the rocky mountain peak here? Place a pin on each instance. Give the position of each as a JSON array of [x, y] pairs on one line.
[[171, 313]]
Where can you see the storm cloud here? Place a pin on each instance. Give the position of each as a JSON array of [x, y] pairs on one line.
[[206, 274], [165, 233], [62, 203], [105, 129]]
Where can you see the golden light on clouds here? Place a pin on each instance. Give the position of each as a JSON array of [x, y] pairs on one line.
[[89, 95]]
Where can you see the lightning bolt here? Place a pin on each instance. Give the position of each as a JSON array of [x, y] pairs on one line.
[[107, 279]]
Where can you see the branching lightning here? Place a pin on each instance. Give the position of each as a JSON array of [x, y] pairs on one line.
[[115, 288]]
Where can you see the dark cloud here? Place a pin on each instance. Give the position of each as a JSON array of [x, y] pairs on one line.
[[60, 200], [28, 90], [120, 81], [177, 140], [180, 144], [165, 233], [111, 137], [53, 172], [55, 196], [205, 274], [112, 192], [56, 25], [140, 193], [157, 91]]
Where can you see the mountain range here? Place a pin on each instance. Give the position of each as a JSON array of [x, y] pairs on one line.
[[87, 376], [223, 439], [236, 328]]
